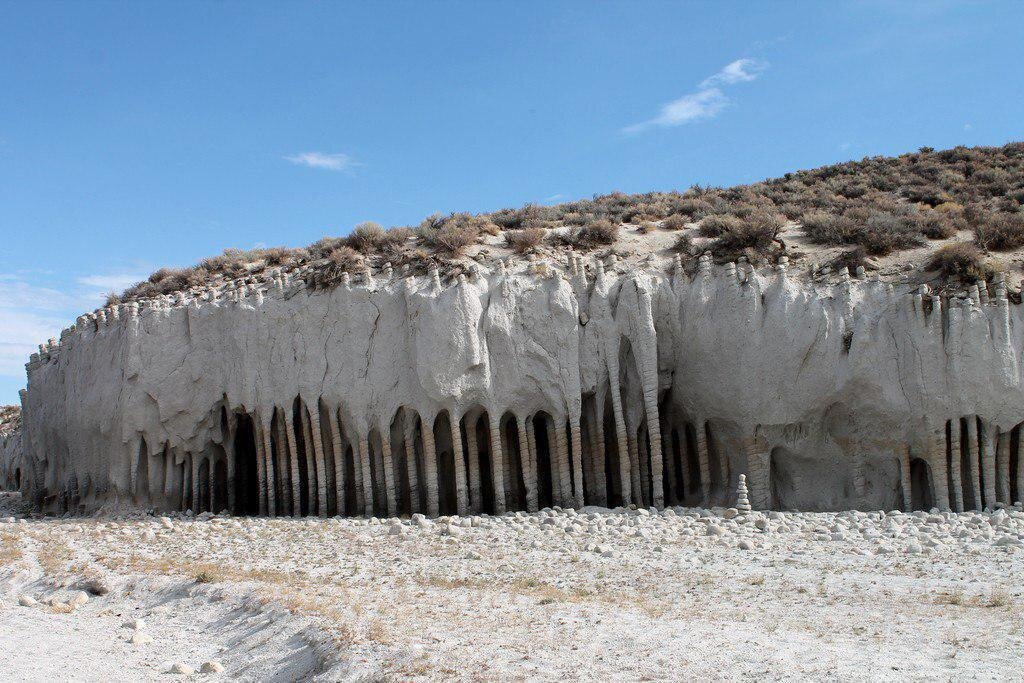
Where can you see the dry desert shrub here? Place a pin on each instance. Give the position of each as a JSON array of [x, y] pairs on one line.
[[674, 222], [754, 238], [525, 240], [1001, 232], [881, 204], [450, 234], [715, 226], [599, 233], [962, 260]]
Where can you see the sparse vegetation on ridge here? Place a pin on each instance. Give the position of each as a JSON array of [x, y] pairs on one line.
[[877, 206], [10, 419]]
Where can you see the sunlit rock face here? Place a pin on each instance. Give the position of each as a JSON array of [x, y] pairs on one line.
[[514, 390]]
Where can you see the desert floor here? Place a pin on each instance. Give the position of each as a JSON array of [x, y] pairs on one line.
[[590, 594]]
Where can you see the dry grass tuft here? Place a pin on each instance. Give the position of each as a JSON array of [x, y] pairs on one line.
[[962, 260], [10, 549], [956, 597], [54, 558]]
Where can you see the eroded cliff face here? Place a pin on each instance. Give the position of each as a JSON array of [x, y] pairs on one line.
[[515, 390]]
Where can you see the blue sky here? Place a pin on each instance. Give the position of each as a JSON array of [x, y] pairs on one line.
[[135, 135]]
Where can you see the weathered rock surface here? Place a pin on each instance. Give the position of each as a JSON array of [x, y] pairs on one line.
[[267, 397]]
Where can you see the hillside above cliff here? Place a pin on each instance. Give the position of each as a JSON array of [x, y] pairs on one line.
[[940, 217]]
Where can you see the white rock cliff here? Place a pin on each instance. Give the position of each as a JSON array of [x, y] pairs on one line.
[[587, 386]]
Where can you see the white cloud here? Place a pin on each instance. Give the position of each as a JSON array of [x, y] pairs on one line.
[[16, 293], [31, 313], [968, 126], [323, 160], [706, 102], [740, 71], [29, 316], [702, 104], [111, 283]]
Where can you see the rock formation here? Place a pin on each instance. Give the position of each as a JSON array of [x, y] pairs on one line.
[[521, 387]]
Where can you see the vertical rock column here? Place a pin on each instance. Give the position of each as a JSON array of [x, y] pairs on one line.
[[632, 451], [758, 474], [170, 473], [940, 473], [268, 456], [600, 485], [956, 483], [229, 449], [654, 429], [389, 473], [430, 466], [339, 464], [133, 445], [672, 495], [497, 462], [309, 455], [577, 461], [1003, 468], [284, 465], [903, 458], [973, 458], [703, 463], [476, 502], [530, 476], [564, 481], [524, 463], [261, 472], [989, 435], [318, 454], [625, 478], [410, 464], [366, 476], [293, 460], [458, 459], [195, 483]]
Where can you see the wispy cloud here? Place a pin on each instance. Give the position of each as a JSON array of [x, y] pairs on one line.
[[324, 160], [111, 283], [29, 315], [707, 101], [740, 71], [32, 311]]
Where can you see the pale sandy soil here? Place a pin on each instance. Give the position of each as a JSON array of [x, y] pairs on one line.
[[588, 595], [654, 250]]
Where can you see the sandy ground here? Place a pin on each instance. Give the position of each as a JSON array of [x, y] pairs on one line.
[[582, 595]]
